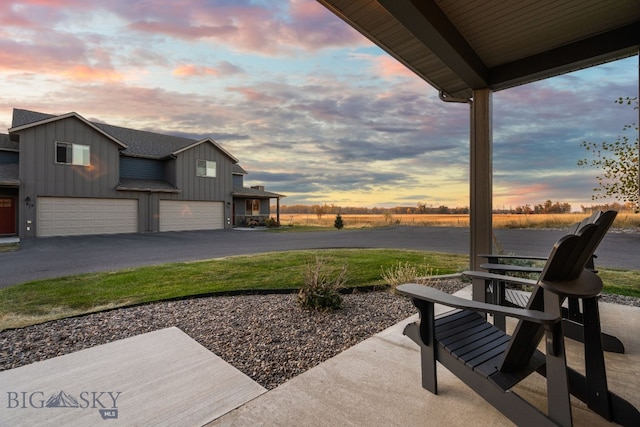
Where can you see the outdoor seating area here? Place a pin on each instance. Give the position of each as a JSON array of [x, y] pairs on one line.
[[492, 362], [572, 316], [376, 382]]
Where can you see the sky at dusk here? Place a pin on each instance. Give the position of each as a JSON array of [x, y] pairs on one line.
[[311, 108]]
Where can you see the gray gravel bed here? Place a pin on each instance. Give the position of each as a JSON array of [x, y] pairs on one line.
[[268, 337]]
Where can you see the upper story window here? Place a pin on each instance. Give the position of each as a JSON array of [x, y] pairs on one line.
[[72, 154], [206, 168]]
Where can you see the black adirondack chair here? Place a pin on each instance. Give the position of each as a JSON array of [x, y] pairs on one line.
[[492, 362], [572, 315]]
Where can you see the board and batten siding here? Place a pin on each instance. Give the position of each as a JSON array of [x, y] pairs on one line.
[[203, 188], [41, 175]]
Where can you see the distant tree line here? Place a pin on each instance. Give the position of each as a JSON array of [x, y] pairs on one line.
[[548, 207], [325, 209]]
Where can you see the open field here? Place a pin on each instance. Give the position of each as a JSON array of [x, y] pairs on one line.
[[624, 220]]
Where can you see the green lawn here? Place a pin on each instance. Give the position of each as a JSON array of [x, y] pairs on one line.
[[44, 300]]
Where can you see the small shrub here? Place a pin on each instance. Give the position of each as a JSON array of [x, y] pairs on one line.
[[401, 273], [321, 290], [272, 223], [338, 223]]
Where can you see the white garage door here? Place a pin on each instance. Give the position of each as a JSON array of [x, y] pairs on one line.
[[66, 216], [180, 215]]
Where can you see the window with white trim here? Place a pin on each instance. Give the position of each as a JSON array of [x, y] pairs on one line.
[[72, 154], [206, 168]]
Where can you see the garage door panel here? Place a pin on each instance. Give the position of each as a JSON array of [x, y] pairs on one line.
[[65, 216], [179, 215]]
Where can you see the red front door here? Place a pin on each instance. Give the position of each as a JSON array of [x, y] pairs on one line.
[[7, 215]]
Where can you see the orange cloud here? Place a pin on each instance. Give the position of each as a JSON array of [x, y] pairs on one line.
[[86, 73], [193, 70], [390, 67]]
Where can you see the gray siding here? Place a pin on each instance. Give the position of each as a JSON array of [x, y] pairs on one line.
[[238, 181], [265, 207], [170, 172], [40, 175], [203, 188], [241, 207]]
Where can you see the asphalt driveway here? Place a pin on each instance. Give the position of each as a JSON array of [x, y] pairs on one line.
[[61, 256]]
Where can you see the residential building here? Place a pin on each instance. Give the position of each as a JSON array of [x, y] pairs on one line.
[[65, 175]]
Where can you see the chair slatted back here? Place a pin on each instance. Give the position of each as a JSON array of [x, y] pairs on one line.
[[571, 267], [566, 262]]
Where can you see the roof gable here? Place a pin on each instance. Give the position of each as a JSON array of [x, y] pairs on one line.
[[135, 143], [42, 119], [238, 170], [204, 141]]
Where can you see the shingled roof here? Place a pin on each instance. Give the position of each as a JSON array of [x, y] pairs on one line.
[[255, 193], [9, 175], [7, 144], [138, 143]]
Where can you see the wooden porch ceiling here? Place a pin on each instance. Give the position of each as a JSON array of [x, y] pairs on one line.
[[458, 46]]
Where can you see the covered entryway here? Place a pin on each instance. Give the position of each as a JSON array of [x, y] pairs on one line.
[[7, 215], [70, 216], [183, 215]]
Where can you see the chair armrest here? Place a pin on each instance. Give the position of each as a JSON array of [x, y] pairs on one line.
[[500, 278], [512, 268], [493, 258], [426, 293]]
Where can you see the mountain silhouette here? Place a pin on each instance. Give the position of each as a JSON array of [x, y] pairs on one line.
[[62, 400]]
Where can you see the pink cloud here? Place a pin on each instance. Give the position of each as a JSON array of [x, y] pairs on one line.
[[88, 73], [388, 66], [280, 28], [38, 13], [9, 18], [59, 55], [253, 95], [44, 57], [523, 194], [193, 70], [300, 24], [184, 31], [223, 68]]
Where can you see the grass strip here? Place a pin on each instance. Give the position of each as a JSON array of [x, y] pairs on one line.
[[43, 300]]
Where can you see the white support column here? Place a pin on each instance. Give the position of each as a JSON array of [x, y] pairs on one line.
[[481, 178]]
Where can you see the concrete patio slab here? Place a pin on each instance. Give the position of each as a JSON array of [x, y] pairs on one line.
[[162, 378], [377, 383], [166, 378]]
